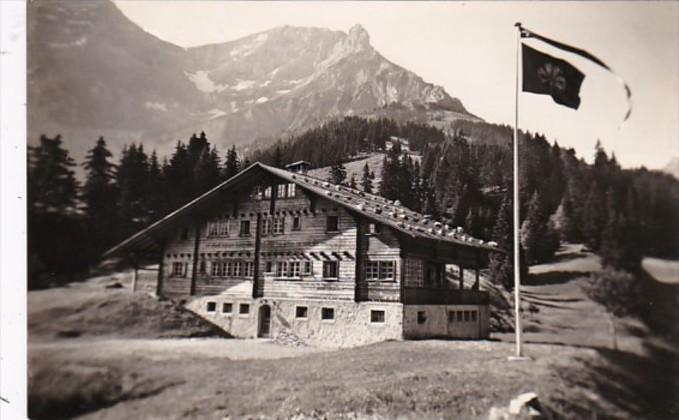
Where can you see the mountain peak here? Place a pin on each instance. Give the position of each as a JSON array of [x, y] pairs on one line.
[[359, 35]]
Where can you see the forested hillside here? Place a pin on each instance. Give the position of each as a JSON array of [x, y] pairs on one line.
[[464, 179]]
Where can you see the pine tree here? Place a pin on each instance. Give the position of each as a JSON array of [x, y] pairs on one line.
[[131, 178], [367, 179], [231, 164], [338, 173], [53, 217], [278, 157], [206, 171], [100, 196], [52, 187], [156, 189], [502, 265], [352, 181]]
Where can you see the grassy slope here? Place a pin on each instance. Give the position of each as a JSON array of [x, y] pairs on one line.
[[209, 378], [91, 309]]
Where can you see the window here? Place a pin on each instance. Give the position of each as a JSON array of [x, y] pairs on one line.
[[327, 313], [244, 309], [332, 224], [248, 268], [245, 228], [292, 190], [293, 268], [467, 316], [473, 314], [227, 308], [296, 223], [459, 316], [374, 228], [282, 269], [281, 190], [301, 312], [268, 267], [217, 229], [278, 225], [266, 226], [267, 192], [211, 306], [202, 267], [178, 269], [330, 269], [451, 316], [421, 317], [379, 270], [307, 268], [377, 316], [386, 270], [237, 268], [372, 270]]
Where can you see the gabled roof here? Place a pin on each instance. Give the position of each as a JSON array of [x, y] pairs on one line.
[[373, 207]]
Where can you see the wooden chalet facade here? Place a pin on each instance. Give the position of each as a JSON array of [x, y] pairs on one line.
[[271, 250]]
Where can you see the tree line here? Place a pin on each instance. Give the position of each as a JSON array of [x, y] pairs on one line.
[[466, 179], [71, 223], [461, 179]]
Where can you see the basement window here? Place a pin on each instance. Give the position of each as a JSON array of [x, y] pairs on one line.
[[377, 316], [227, 308], [244, 309], [301, 312], [327, 314], [211, 306], [421, 317]]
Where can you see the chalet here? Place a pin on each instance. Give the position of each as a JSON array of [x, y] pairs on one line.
[[270, 250], [301, 166], [403, 142]]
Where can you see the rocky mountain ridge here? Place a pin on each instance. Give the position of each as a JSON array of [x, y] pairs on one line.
[[94, 72]]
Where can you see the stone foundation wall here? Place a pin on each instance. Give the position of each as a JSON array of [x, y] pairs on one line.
[[351, 324], [446, 321]]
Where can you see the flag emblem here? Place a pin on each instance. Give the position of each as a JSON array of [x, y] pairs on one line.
[[547, 75]]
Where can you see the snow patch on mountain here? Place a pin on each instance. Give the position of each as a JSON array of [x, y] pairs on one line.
[[77, 43], [216, 113], [243, 84], [203, 83], [158, 106]]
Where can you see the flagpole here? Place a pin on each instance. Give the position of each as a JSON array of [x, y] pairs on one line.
[[517, 244]]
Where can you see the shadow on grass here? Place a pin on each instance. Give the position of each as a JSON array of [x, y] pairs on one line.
[[67, 391], [618, 384], [552, 277]]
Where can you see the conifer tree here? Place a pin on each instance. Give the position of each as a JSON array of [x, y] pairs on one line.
[[100, 197], [53, 217], [352, 181], [502, 265], [156, 189], [338, 173], [132, 177], [206, 171], [367, 179], [231, 164]]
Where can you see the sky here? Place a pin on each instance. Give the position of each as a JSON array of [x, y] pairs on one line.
[[469, 48]]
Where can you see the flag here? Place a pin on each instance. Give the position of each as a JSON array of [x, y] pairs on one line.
[[525, 33], [547, 75]]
